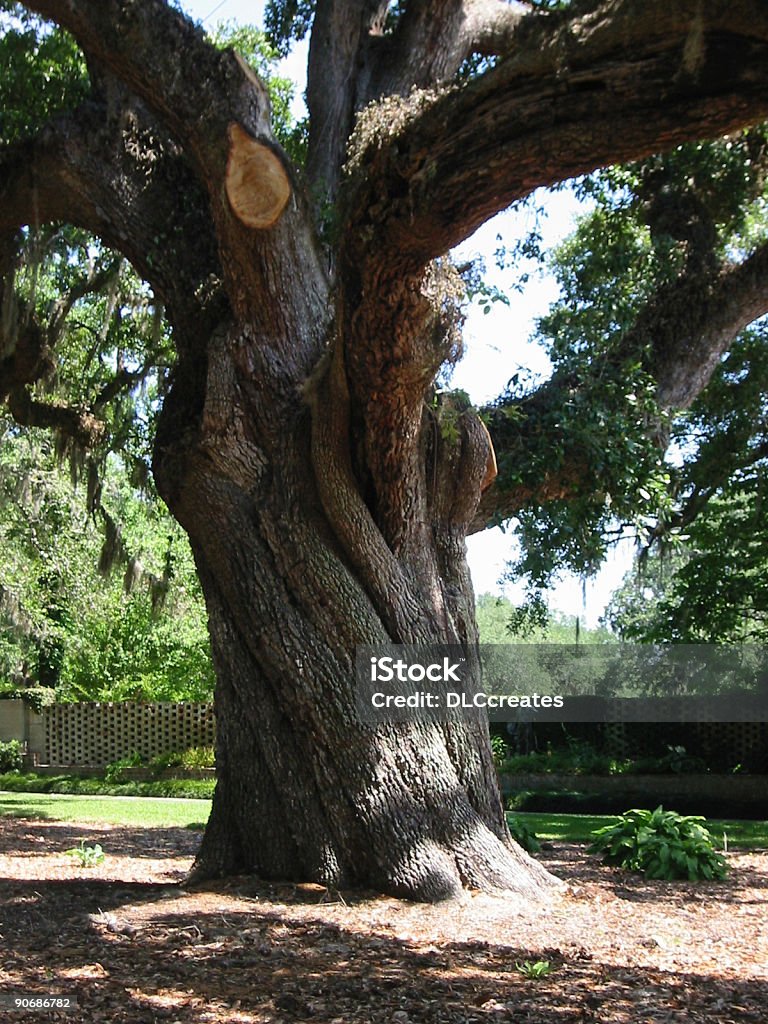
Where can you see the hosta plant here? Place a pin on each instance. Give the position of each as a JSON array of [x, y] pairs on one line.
[[660, 844]]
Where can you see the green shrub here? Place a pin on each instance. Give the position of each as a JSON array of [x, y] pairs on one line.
[[199, 757], [578, 758], [11, 758], [523, 835], [160, 762], [660, 844], [195, 789], [114, 770], [194, 757]]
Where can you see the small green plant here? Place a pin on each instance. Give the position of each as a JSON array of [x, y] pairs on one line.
[[199, 757], [88, 856], [523, 835], [194, 757], [499, 751], [114, 770], [11, 759], [534, 970], [660, 844], [161, 762]]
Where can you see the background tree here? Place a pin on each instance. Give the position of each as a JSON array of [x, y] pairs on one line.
[[137, 632], [711, 586], [690, 488], [325, 486], [499, 622]]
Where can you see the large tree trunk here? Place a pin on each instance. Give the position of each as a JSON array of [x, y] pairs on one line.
[[327, 489], [305, 789]]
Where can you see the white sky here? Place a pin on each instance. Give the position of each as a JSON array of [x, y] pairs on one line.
[[496, 346]]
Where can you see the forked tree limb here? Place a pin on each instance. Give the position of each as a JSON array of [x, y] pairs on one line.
[[379, 571], [615, 83]]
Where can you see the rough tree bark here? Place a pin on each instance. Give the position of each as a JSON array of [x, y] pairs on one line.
[[300, 446]]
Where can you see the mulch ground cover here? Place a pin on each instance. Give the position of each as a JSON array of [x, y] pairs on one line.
[[127, 943]]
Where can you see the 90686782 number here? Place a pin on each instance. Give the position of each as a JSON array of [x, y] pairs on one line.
[[30, 1001]]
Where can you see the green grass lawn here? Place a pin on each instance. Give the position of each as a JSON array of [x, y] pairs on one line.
[[155, 812], [148, 812], [742, 835]]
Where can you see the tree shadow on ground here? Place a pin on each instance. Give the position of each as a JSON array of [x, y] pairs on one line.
[[31, 836], [637, 889], [251, 959], [249, 952], [8, 810]]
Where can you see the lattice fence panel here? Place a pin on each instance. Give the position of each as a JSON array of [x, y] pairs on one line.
[[97, 734], [742, 740], [729, 741]]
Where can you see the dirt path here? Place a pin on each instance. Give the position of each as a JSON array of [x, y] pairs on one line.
[[132, 946]]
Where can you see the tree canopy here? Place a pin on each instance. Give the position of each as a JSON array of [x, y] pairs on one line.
[[688, 477]]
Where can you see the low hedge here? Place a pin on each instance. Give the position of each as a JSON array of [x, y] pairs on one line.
[[28, 782]]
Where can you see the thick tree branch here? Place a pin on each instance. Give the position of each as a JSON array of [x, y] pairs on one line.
[[337, 62], [207, 100], [427, 47], [110, 173], [79, 424], [434, 38], [352, 62], [601, 83], [690, 325], [142, 43], [109, 169], [24, 353], [615, 83]]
